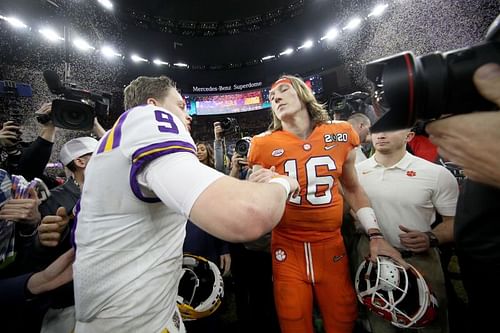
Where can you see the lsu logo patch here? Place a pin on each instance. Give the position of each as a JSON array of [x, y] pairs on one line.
[[280, 255], [278, 152]]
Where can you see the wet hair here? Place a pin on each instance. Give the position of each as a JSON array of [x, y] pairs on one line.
[[144, 87], [316, 110]]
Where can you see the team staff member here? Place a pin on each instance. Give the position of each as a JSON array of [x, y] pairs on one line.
[[308, 251]]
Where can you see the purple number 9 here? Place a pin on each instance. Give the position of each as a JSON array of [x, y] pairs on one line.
[[168, 121]]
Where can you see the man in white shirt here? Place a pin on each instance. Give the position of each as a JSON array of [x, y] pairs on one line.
[[141, 185], [406, 192]]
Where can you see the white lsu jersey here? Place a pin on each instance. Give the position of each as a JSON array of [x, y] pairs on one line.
[[129, 243]]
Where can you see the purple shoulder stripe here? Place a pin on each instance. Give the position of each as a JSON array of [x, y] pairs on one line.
[[143, 156]]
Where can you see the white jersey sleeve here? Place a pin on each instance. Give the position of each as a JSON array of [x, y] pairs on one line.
[[143, 134], [184, 172]]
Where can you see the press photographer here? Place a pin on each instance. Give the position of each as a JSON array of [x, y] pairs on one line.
[[457, 83], [76, 109]]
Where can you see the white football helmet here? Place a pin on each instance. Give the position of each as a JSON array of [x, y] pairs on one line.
[[398, 295], [201, 288]]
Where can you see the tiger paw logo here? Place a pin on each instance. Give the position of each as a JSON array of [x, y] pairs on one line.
[[280, 255], [411, 173]]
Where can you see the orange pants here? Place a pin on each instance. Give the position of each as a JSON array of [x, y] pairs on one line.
[[303, 270]]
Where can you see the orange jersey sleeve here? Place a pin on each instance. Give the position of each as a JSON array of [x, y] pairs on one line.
[[316, 163]]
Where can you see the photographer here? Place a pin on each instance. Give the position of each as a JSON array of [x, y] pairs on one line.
[[9, 137], [471, 141]]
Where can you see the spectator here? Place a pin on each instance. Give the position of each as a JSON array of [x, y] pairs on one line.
[[23, 288], [54, 230], [405, 221], [304, 144], [129, 246]]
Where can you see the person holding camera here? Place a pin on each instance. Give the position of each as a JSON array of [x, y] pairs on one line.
[[309, 256], [472, 142], [141, 185]]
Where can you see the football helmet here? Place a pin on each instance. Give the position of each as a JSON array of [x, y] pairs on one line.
[[395, 294], [201, 288]]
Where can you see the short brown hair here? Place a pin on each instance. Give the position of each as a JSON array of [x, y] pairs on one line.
[[144, 87], [316, 110]]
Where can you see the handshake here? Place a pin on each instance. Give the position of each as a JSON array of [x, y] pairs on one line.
[[263, 175]]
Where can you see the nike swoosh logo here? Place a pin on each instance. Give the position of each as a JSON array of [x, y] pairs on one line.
[[330, 147], [337, 258]]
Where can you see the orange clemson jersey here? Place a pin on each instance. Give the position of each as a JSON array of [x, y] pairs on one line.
[[316, 163]]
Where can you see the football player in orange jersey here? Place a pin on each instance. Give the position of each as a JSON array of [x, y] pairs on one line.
[[309, 257]]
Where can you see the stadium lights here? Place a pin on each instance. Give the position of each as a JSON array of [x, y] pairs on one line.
[[181, 64], [331, 34], [353, 24], [50, 34], [14, 21], [268, 57], [378, 10], [287, 52], [109, 52], [136, 58], [82, 45], [106, 4], [159, 62], [308, 44]]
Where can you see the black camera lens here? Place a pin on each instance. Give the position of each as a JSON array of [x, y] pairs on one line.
[[227, 123], [242, 146], [406, 88], [72, 115]]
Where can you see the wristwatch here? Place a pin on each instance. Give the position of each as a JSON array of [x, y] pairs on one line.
[[433, 241]]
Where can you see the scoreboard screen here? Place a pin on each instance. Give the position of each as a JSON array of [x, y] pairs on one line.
[[251, 100]]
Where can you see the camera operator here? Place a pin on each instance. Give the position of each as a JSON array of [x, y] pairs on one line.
[[472, 141]]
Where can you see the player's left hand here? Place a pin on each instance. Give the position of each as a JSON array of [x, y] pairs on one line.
[[380, 247], [263, 175]]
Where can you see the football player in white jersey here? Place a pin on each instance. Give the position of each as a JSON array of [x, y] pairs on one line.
[[141, 185]]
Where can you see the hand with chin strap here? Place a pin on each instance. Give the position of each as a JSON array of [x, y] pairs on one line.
[[380, 247]]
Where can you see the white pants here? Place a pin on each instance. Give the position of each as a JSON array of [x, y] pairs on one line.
[[59, 320]]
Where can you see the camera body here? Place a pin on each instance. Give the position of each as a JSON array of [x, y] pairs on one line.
[[76, 108], [230, 125], [341, 107], [242, 146], [407, 88]]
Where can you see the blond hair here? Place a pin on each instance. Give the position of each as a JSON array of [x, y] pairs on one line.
[[317, 111]]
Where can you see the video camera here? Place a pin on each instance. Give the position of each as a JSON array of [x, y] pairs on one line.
[[407, 88], [77, 108], [341, 107]]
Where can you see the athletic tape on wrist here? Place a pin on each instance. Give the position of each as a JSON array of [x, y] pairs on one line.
[[366, 216], [283, 182]]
